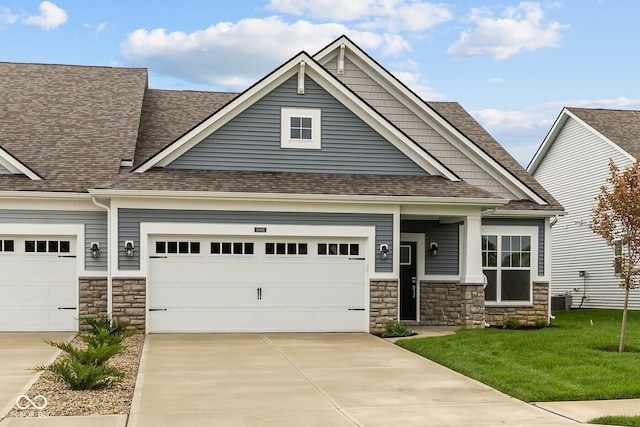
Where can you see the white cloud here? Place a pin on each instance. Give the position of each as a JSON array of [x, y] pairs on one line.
[[613, 103], [6, 17], [496, 81], [419, 85], [389, 15], [51, 16], [101, 27], [507, 120], [519, 132], [521, 28], [234, 55]]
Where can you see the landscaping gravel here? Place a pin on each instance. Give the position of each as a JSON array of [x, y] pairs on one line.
[[62, 401]]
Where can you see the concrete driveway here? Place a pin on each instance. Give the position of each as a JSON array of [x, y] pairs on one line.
[[18, 353], [311, 380]]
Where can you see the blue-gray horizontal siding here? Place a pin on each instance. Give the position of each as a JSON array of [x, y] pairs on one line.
[[95, 228], [129, 226], [447, 236], [524, 222], [4, 171], [251, 141]]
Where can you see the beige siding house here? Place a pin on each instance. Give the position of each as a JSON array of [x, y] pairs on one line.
[[572, 164]]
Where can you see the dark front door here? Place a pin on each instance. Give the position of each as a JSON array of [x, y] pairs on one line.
[[408, 281]]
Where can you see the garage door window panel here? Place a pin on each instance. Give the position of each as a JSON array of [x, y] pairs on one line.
[[177, 247], [343, 249], [285, 248], [7, 245], [47, 246], [232, 248]]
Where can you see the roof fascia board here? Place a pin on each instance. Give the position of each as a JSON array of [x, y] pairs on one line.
[[599, 135], [426, 113], [500, 213], [15, 166], [43, 195], [547, 142], [327, 82], [316, 198]]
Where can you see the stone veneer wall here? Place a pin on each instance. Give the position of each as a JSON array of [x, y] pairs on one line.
[[129, 301], [383, 303], [444, 303], [527, 315], [92, 297]]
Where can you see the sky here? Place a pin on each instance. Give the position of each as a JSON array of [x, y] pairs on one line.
[[512, 64]]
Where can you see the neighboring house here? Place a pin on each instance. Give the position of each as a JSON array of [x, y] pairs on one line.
[[573, 163], [326, 197]]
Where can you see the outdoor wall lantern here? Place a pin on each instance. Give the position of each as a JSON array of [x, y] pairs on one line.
[[128, 247], [384, 251], [433, 247], [95, 249]]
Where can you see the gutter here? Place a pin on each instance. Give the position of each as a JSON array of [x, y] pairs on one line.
[[319, 198], [109, 243]]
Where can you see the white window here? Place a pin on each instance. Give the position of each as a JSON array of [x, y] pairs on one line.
[[300, 128], [508, 261]]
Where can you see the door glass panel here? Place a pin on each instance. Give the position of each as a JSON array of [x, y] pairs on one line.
[[405, 255]]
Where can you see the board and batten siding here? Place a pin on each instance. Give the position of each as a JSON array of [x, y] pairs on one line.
[[573, 169], [447, 262], [95, 228], [129, 226], [427, 137], [251, 141], [526, 222]]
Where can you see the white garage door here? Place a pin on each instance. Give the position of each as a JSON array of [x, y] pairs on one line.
[[38, 284], [257, 285]]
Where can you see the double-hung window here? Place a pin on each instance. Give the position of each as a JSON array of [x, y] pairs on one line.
[[300, 128], [507, 262]]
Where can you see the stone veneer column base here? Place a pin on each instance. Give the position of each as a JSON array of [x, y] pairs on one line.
[[527, 315], [92, 297], [451, 303], [383, 304], [129, 301]]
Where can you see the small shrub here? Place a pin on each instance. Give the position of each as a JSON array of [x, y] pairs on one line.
[[81, 376], [95, 356], [102, 330], [394, 328], [541, 323], [512, 323]]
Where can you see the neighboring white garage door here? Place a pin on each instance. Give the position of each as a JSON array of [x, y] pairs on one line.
[[38, 284], [257, 285]]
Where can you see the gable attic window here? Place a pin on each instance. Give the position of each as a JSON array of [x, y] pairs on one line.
[[300, 128]]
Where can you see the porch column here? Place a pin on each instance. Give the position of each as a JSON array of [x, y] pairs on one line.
[[472, 251]]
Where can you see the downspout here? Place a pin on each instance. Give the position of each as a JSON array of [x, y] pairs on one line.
[[552, 222], [109, 275]]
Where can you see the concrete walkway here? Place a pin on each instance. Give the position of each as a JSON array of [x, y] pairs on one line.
[[312, 380], [293, 379], [18, 353]]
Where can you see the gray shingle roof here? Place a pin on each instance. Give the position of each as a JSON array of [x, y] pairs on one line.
[[70, 124], [297, 183], [168, 114], [73, 125], [622, 127], [459, 118]]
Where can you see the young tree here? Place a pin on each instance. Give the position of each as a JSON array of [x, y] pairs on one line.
[[616, 218]]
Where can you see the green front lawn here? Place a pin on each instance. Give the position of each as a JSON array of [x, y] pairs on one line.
[[568, 361]]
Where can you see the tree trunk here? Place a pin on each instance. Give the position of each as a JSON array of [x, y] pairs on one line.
[[624, 319]]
